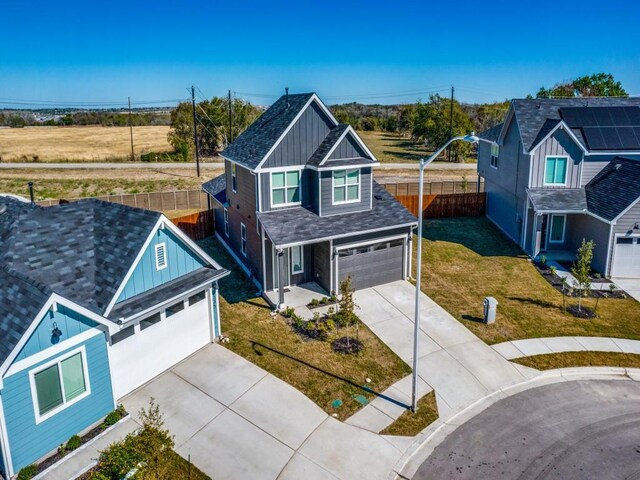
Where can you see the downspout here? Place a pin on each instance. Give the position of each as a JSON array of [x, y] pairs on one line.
[[279, 255]]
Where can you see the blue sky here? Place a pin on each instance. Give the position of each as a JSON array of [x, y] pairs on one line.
[[105, 51]]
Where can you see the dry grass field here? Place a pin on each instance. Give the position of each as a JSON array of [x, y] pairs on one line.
[[87, 144]]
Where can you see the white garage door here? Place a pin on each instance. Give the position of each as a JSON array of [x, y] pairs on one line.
[[157, 345], [626, 258]]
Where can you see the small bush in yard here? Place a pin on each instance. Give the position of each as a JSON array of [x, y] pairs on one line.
[[115, 416], [315, 302], [73, 443], [27, 472]]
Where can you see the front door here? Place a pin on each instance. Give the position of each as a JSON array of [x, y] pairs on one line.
[[543, 233]]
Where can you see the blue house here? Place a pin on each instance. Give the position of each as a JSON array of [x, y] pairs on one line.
[[95, 300]]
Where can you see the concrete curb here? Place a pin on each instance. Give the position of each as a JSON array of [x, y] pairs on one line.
[[426, 441], [549, 345]]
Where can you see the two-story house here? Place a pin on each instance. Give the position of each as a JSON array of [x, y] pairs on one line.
[[297, 203], [558, 171], [95, 300]]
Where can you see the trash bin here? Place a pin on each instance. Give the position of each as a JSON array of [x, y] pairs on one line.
[[490, 305]]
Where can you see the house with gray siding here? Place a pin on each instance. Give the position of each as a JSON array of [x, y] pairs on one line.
[[95, 300], [558, 171], [297, 203]]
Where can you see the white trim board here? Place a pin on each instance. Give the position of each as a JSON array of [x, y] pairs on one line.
[[560, 126]]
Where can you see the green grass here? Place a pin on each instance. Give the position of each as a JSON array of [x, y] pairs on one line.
[[180, 469], [467, 259], [310, 366], [411, 424], [580, 359]]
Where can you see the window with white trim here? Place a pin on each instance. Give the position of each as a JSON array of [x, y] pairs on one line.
[[226, 221], [285, 188], [495, 152], [59, 384], [346, 186], [555, 170], [243, 239], [556, 233], [161, 256], [297, 259], [234, 177]]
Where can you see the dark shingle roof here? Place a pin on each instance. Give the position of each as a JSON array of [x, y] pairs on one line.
[[491, 134], [615, 188], [348, 162], [532, 114], [164, 292], [217, 188], [327, 144], [20, 301], [254, 143], [297, 225], [81, 250], [558, 199]]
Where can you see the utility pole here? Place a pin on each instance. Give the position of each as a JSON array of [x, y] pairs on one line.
[[133, 157], [230, 122], [450, 121], [195, 129]]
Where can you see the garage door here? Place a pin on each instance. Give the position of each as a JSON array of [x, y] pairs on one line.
[[373, 264], [626, 258], [139, 356]]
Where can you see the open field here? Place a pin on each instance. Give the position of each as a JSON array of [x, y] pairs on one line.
[[393, 148], [467, 259], [88, 144]]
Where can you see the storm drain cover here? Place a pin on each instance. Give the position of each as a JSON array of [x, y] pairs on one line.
[[361, 399], [336, 403]]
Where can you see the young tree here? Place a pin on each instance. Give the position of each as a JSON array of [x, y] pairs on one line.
[[581, 269], [347, 306], [596, 85]]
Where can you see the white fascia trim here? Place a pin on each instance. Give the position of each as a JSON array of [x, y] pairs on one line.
[[631, 205], [343, 167], [54, 298], [356, 137], [52, 351], [609, 261], [620, 153], [4, 442], [335, 145], [282, 169], [313, 98], [560, 126], [165, 222], [371, 242], [343, 235], [505, 125]]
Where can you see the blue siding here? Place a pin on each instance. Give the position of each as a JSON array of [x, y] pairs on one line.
[[29, 441], [180, 261], [69, 322]]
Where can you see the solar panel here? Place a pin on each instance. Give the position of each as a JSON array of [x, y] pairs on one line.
[[578, 117], [612, 138]]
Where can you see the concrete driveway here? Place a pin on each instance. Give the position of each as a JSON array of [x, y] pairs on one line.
[[629, 285], [571, 430], [238, 421]]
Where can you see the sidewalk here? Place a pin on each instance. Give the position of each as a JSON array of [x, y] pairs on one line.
[[459, 366], [541, 346]]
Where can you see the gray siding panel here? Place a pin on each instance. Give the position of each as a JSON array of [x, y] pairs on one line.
[[586, 227], [302, 140], [592, 165], [326, 194], [503, 209], [348, 148], [322, 264], [559, 144]]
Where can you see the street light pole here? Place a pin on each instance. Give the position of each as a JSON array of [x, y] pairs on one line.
[[416, 326]]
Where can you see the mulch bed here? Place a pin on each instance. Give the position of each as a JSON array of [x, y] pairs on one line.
[[556, 282], [347, 345], [583, 312]]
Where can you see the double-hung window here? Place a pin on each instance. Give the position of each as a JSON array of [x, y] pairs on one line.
[[243, 239], [555, 170], [285, 188], [234, 177], [226, 221], [495, 152], [346, 186], [59, 384], [297, 260]]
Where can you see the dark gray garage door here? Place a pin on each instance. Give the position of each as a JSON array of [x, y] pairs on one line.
[[373, 264]]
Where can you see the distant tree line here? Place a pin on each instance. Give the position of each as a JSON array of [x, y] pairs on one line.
[[27, 118]]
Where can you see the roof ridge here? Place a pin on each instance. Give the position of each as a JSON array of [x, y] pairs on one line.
[[26, 279]]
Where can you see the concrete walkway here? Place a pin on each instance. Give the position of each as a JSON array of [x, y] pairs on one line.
[[629, 285], [452, 361], [563, 272], [541, 346]]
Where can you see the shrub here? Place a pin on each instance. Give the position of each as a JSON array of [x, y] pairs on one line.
[[315, 302], [27, 472], [324, 300], [114, 417], [73, 443], [543, 260], [289, 312]]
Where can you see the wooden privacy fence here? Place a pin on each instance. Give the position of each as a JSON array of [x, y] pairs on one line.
[[448, 205], [197, 225], [433, 188], [159, 201]]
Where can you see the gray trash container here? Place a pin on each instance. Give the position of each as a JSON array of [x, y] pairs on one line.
[[490, 305]]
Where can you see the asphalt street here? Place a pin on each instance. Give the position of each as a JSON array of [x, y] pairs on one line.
[[569, 430]]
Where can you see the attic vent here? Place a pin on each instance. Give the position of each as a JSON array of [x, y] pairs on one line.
[[161, 256]]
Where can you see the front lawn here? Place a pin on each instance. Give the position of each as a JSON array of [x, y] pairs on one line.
[[467, 259], [311, 366], [410, 424], [580, 359]]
